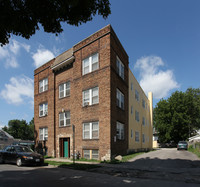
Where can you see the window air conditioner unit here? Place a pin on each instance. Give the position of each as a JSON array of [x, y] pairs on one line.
[[86, 103]]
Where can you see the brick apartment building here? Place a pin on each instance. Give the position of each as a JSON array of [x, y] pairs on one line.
[[86, 87]]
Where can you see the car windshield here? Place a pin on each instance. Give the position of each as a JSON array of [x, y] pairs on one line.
[[182, 142], [23, 149]]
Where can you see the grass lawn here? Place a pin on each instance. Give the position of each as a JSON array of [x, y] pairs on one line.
[[124, 158], [130, 156], [77, 166], [83, 166], [195, 151]]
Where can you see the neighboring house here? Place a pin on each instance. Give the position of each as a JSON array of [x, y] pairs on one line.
[[5, 139], [88, 87], [155, 138], [195, 138]]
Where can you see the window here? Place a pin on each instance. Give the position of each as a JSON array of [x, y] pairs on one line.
[[137, 96], [120, 131], [43, 85], [143, 138], [137, 136], [64, 90], [131, 109], [43, 109], [91, 96], [91, 154], [90, 64], [132, 86], [143, 103], [131, 133], [143, 121], [64, 119], [86, 154], [120, 68], [120, 99], [95, 154], [91, 130], [137, 116], [43, 133]]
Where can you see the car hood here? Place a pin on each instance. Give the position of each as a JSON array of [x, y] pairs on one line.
[[30, 154]]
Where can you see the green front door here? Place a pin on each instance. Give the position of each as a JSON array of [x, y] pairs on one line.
[[66, 153]]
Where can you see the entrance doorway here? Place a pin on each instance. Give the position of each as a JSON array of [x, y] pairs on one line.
[[65, 147]]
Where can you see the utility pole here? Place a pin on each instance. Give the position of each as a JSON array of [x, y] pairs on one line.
[[73, 128]]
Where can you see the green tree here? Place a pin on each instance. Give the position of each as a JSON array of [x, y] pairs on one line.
[[23, 17], [19, 129], [178, 117]]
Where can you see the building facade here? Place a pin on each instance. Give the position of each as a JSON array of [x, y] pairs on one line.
[[81, 100], [140, 117]]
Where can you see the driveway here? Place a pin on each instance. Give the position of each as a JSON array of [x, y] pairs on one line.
[[163, 164], [165, 159]]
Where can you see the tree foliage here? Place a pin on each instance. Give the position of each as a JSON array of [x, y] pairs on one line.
[[20, 129], [22, 17], [178, 117]]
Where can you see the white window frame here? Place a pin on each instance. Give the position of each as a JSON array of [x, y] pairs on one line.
[[89, 100], [120, 131], [65, 119], [91, 130], [137, 136], [120, 99], [137, 95], [66, 89], [89, 154], [44, 109], [43, 134], [90, 64], [120, 67], [137, 116], [43, 85]]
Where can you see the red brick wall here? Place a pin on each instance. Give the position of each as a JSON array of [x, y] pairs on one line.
[[106, 112], [47, 96], [117, 114]]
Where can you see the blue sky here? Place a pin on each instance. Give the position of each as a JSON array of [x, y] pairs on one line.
[[162, 39]]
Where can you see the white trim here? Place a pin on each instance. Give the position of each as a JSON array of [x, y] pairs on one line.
[[44, 109], [90, 130], [88, 101], [90, 63], [42, 132]]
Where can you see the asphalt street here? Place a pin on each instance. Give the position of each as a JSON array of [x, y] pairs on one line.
[[166, 167]]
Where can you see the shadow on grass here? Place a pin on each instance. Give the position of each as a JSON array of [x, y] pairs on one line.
[[76, 166]]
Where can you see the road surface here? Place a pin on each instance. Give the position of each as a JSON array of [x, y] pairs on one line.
[[166, 167]]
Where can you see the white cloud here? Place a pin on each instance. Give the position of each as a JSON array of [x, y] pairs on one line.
[[11, 62], [18, 90], [3, 53], [1, 125], [14, 47], [154, 79], [42, 56], [9, 53]]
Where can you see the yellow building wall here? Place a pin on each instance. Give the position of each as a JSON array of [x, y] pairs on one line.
[[146, 112]]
